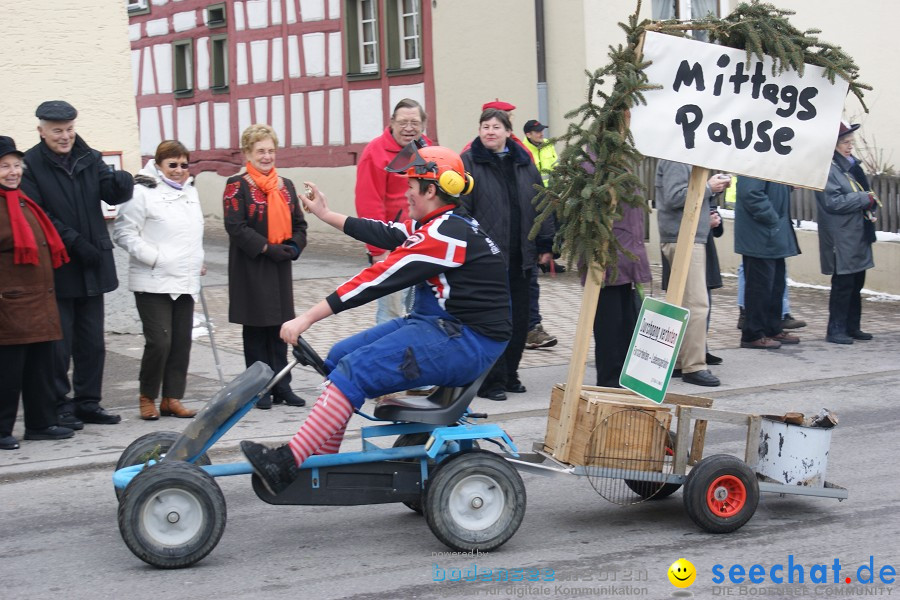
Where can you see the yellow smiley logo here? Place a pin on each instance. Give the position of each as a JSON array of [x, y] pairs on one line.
[[682, 573]]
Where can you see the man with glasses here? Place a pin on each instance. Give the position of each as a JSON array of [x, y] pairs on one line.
[[382, 196], [67, 178]]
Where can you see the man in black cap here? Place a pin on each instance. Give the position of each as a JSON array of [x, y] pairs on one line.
[[68, 179], [544, 155]]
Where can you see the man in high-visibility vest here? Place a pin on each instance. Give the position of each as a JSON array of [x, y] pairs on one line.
[[544, 155]]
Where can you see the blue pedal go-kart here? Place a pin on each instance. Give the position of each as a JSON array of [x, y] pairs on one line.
[[172, 512]]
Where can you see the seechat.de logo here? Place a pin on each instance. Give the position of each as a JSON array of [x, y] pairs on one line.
[[682, 573]]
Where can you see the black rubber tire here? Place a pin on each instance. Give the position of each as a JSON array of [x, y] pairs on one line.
[[153, 445], [165, 492], [466, 478], [413, 439], [699, 483], [649, 490]]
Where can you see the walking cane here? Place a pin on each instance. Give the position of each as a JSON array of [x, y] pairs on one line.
[[212, 340]]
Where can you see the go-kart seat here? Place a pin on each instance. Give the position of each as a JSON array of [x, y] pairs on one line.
[[443, 406], [218, 410]]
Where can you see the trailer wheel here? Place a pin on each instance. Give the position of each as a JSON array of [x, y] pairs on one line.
[[475, 501], [651, 490], [151, 446], [721, 493], [172, 515]]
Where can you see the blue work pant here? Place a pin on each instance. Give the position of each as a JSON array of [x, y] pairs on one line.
[[407, 353]]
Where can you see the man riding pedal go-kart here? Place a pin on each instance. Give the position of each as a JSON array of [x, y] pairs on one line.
[[459, 325]]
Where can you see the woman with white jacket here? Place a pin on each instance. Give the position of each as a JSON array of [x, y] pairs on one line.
[[162, 230]]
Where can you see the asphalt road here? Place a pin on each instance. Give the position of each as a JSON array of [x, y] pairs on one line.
[[60, 537]]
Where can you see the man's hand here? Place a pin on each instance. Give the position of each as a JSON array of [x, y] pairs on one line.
[[717, 183], [715, 219], [314, 200], [545, 258], [294, 328]]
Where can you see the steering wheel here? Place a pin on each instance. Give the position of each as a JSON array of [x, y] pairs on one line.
[[308, 357]]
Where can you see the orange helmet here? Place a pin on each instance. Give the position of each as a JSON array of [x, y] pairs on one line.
[[435, 163]]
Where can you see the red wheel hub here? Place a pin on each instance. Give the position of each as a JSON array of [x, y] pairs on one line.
[[726, 496]]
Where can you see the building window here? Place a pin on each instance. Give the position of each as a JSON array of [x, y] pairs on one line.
[[216, 16], [137, 7], [183, 68], [218, 64], [686, 9], [368, 36], [403, 35], [408, 15]]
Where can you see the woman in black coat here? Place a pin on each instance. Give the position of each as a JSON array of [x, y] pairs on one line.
[[501, 201], [267, 231]]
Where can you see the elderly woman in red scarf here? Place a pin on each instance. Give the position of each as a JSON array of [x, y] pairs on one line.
[[30, 248], [267, 232]]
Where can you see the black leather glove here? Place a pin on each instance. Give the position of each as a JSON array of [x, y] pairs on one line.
[[279, 252], [144, 180], [87, 253]]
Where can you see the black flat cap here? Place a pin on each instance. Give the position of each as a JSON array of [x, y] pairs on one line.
[[56, 110], [8, 146]]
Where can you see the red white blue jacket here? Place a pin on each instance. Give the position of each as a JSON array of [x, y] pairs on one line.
[[459, 269]]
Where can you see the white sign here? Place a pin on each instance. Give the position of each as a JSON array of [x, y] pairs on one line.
[[718, 110], [654, 346]]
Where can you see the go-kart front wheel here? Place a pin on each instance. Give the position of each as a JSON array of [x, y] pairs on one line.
[[152, 446], [475, 501], [172, 514]]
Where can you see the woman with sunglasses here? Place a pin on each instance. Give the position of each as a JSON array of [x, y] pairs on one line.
[[162, 230]]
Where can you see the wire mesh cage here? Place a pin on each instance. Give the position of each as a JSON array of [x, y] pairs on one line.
[[628, 456]]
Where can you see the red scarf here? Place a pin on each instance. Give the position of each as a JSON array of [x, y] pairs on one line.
[[24, 243], [279, 214]]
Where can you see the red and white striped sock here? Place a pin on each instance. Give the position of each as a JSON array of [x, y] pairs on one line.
[[326, 422], [333, 444]]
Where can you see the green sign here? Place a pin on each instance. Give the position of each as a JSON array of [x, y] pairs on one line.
[[654, 346]]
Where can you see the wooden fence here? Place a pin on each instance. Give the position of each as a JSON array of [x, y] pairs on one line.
[[803, 201]]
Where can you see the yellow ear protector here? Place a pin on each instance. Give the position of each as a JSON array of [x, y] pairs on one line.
[[455, 184]]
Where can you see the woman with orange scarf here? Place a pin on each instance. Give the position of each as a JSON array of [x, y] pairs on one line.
[[30, 248], [267, 232]]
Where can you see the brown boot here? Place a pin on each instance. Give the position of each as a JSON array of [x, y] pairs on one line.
[[148, 409], [172, 407]]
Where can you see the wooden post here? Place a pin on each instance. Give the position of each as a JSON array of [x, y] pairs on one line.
[[583, 332], [684, 247]]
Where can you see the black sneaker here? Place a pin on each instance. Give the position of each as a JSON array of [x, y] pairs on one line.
[[97, 416], [276, 467], [69, 420], [861, 335], [8, 442], [289, 398], [264, 402], [789, 322], [54, 432]]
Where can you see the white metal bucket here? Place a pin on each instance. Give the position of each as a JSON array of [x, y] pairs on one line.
[[793, 454]]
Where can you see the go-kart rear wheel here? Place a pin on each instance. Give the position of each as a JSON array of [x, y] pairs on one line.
[[152, 446], [721, 493], [475, 501], [172, 514]]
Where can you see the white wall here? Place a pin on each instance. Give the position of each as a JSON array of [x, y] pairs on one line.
[[482, 51], [73, 51]]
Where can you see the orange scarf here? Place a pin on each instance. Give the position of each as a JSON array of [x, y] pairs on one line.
[[279, 213]]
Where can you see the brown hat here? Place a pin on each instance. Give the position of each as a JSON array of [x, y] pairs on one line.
[[846, 128], [8, 146]]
